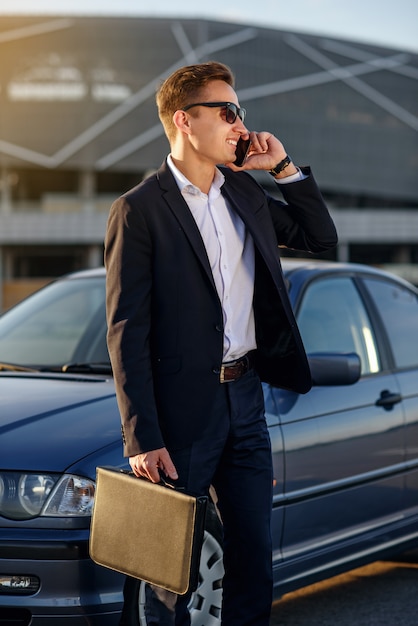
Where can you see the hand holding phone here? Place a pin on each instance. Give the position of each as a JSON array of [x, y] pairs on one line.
[[243, 147]]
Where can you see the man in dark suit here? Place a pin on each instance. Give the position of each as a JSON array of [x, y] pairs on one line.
[[198, 312]]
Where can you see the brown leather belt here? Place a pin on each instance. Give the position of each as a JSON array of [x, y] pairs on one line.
[[235, 369]]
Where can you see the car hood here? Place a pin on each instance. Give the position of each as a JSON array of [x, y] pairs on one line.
[[49, 422]]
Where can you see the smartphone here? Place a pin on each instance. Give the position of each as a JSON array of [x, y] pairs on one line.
[[243, 147]]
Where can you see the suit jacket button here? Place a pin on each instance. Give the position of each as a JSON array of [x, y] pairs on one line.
[[216, 370], [218, 328]]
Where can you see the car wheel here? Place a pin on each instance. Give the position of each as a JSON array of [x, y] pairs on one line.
[[205, 603]]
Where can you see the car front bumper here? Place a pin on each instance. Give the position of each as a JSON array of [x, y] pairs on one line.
[[67, 587]]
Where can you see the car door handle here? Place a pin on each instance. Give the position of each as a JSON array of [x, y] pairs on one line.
[[388, 399]]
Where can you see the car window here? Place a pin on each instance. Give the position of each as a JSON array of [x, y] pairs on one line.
[[398, 307], [49, 327], [332, 318]]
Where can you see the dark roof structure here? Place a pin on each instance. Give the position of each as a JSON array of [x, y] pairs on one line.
[[78, 93]]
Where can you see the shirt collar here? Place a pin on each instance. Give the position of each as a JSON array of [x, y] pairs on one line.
[[186, 186]]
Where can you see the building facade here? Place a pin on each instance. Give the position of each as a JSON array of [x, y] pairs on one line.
[[78, 127]]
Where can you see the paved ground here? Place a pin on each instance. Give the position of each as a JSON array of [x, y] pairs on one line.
[[382, 594]]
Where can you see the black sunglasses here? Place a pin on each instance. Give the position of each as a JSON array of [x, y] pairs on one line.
[[232, 111]]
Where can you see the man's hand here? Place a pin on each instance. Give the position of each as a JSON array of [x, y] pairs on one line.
[[149, 463], [265, 153]]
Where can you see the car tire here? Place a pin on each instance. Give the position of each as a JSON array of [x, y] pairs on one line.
[[205, 603]]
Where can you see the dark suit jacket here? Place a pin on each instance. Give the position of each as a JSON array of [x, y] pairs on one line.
[[164, 316]]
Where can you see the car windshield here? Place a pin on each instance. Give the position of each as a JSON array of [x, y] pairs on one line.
[[63, 324]]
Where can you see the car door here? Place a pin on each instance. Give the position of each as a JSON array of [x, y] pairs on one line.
[[342, 449], [397, 305]]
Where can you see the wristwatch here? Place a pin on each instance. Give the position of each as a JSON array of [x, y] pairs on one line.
[[280, 166]]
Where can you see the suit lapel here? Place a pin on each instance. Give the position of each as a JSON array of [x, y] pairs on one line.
[[253, 215], [178, 206]]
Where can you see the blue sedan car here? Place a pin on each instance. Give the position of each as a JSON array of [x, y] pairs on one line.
[[345, 454]]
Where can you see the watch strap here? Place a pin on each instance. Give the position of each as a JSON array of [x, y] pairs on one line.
[[280, 166]]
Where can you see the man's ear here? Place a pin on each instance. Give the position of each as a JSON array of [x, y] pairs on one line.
[[182, 121]]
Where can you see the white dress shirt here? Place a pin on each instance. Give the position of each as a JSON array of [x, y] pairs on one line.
[[230, 250]]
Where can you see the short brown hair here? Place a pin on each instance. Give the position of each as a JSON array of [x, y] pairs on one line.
[[184, 87]]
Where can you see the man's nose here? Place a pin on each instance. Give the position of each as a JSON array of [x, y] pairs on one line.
[[241, 128]]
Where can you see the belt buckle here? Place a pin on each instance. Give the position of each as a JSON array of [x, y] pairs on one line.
[[243, 361]]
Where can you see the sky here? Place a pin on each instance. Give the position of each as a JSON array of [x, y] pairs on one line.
[[389, 23]]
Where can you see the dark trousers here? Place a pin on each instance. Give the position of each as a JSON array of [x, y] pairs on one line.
[[234, 455]]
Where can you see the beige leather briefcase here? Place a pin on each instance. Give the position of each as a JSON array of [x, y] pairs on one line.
[[146, 530]]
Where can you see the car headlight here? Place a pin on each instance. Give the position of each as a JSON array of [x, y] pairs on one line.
[[72, 496], [27, 495]]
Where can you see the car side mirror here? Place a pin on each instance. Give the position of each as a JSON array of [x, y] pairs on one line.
[[334, 368]]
